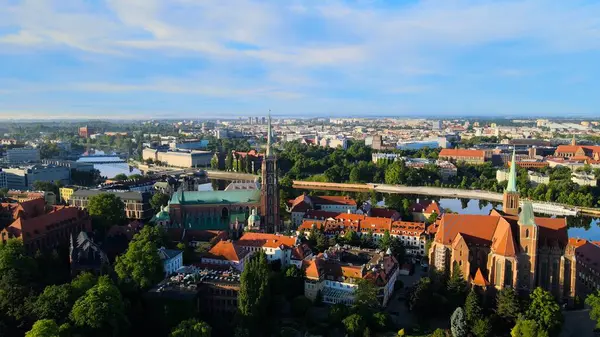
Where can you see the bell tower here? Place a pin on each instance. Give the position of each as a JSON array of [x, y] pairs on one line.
[[510, 199], [528, 245], [269, 190]]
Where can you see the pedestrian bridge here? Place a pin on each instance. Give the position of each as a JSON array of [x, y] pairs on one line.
[[538, 206]]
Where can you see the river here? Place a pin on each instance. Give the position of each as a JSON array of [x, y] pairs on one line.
[[109, 170]]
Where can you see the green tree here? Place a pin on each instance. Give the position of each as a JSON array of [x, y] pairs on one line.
[[54, 303], [43, 328], [544, 310], [229, 161], [458, 323], [293, 281], [354, 175], [214, 162], [106, 210], [527, 328], [337, 312], [438, 333], [366, 294], [141, 263], [351, 238], [159, 200], [386, 241], [191, 328], [482, 328], [45, 186], [379, 321], [593, 301], [82, 283], [366, 240], [120, 177], [320, 241], [457, 286], [18, 272], [100, 312], [421, 299], [253, 297], [507, 304], [472, 307], [300, 305], [354, 325]]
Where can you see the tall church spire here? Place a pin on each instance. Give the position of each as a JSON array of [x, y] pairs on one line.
[[512, 177], [510, 198], [269, 135]]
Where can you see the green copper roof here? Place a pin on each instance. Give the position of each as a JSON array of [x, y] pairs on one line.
[[240, 217], [215, 197], [527, 218], [512, 177]]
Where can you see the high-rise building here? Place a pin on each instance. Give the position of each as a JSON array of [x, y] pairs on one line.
[[249, 120], [270, 187], [264, 121], [437, 125]]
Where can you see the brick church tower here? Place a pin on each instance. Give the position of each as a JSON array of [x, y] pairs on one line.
[[270, 188], [510, 199]]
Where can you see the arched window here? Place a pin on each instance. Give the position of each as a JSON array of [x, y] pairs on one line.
[[527, 233], [498, 278], [508, 273], [526, 249]]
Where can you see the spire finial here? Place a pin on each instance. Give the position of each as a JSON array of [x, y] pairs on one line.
[[269, 134], [512, 177]]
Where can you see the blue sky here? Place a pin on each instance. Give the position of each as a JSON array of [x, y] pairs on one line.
[[228, 58]]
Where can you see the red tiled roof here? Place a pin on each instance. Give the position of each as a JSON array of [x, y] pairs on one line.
[[433, 207], [36, 226], [334, 200], [478, 226], [479, 279], [461, 153], [318, 214], [266, 240], [408, 228], [226, 250]]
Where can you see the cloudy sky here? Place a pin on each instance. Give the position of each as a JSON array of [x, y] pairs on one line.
[[212, 58]]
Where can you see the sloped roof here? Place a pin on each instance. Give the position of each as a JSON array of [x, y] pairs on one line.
[[433, 207], [86, 251], [383, 212], [503, 241], [334, 200], [461, 153], [478, 226], [227, 250], [33, 227], [167, 254], [479, 279], [216, 197], [266, 240]]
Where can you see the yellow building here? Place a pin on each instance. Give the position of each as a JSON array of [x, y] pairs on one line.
[[65, 193]]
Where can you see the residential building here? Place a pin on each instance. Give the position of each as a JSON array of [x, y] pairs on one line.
[[421, 211], [23, 155], [334, 142], [20, 196], [47, 230], [587, 260], [229, 253], [65, 193], [534, 178], [436, 125], [219, 290], [508, 248], [474, 157], [23, 178], [8, 141], [250, 161], [190, 145], [137, 205], [26, 208], [171, 259], [335, 273], [584, 179], [86, 256], [337, 204], [179, 158], [278, 248]]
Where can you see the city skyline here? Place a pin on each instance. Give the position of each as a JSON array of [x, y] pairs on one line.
[[184, 59]]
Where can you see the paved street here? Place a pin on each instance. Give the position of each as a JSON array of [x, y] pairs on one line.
[[577, 324]]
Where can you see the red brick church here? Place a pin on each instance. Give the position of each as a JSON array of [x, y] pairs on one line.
[[508, 248]]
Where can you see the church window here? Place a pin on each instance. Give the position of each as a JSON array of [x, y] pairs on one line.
[[527, 233], [526, 249], [508, 273], [498, 277]]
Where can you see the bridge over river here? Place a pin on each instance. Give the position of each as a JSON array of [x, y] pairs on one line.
[[538, 206]]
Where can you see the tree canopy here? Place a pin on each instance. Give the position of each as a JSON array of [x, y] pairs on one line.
[[141, 263], [544, 310], [253, 297], [528, 328], [458, 323], [507, 304], [107, 210], [191, 328], [593, 301], [159, 200], [100, 311], [43, 328]]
